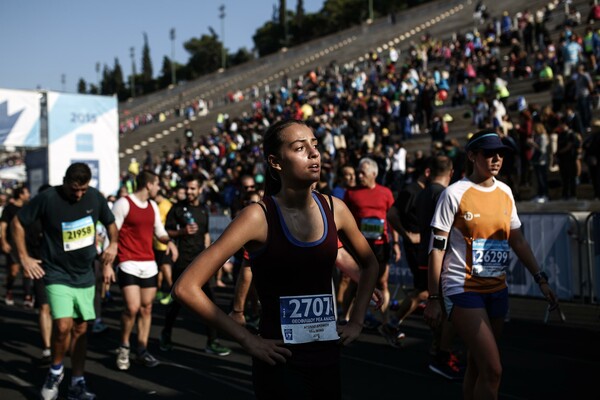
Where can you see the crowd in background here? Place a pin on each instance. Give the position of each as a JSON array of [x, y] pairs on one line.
[[372, 107]]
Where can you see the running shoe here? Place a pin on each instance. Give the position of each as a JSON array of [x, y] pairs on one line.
[[393, 335], [9, 299], [50, 388], [123, 358], [46, 357], [28, 302], [448, 368], [165, 301], [215, 347], [165, 341], [99, 327], [147, 359], [79, 391]]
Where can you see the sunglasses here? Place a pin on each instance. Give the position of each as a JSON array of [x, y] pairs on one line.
[[249, 187], [490, 153]]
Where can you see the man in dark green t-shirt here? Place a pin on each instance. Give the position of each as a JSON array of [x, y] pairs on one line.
[[68, 214]]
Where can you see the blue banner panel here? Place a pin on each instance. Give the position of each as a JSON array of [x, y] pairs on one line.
[[549, 238]]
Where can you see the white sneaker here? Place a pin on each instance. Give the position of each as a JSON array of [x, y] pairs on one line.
[[9, 300], [123, 358], [541, 199], [50, 388]]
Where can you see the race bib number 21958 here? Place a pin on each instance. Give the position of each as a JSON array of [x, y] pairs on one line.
[[78, 234]]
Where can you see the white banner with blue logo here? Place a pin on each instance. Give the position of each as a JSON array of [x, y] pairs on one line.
[[84, 128], [19, 118]]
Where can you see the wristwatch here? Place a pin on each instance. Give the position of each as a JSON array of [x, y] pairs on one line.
[[540, 277]]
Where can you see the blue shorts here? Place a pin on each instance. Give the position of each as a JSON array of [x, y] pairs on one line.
[[496, 304]]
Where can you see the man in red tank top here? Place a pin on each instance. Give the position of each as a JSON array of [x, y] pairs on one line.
[[138, 220]]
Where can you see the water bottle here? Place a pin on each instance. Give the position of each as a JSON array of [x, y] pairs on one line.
[[187, 215]]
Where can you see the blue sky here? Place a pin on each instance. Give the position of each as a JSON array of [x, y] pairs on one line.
[[41, 40]]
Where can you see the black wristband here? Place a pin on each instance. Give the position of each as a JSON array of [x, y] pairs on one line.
[[434, 297]]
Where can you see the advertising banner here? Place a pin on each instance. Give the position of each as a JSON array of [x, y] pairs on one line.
[[19, 118], [84, 128]]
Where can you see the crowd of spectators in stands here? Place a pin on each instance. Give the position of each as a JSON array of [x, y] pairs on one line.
[[10, 159], [130, 123], [374, 106]]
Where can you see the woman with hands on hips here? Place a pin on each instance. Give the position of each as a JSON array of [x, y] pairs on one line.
[[292, 239], [474, 226]]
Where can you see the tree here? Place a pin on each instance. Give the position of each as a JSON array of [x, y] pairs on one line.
[[118, 83], [106, 85], [267, 38], [342, 14], [148, 85], [205, 55], [299, 12], [243, 55], [81, 86], [164, 80], [282, 11]]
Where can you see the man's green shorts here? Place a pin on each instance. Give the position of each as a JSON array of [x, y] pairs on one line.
[[69, 302]]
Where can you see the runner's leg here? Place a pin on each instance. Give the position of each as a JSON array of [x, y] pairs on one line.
[[132, 299], [145, 320]]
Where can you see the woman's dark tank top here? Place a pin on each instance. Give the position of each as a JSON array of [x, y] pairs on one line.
[[288, 267]]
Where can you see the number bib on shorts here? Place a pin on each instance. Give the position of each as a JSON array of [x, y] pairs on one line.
[[490, 257], [372, 228], [307, 319], [78, 234]]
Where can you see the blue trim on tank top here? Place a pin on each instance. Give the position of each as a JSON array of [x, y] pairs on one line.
[[288, 234]]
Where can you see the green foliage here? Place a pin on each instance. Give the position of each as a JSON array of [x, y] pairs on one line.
[[164, 80], [148, 84], [267, 38], [205, 55], [243, 55], [81, 86]]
